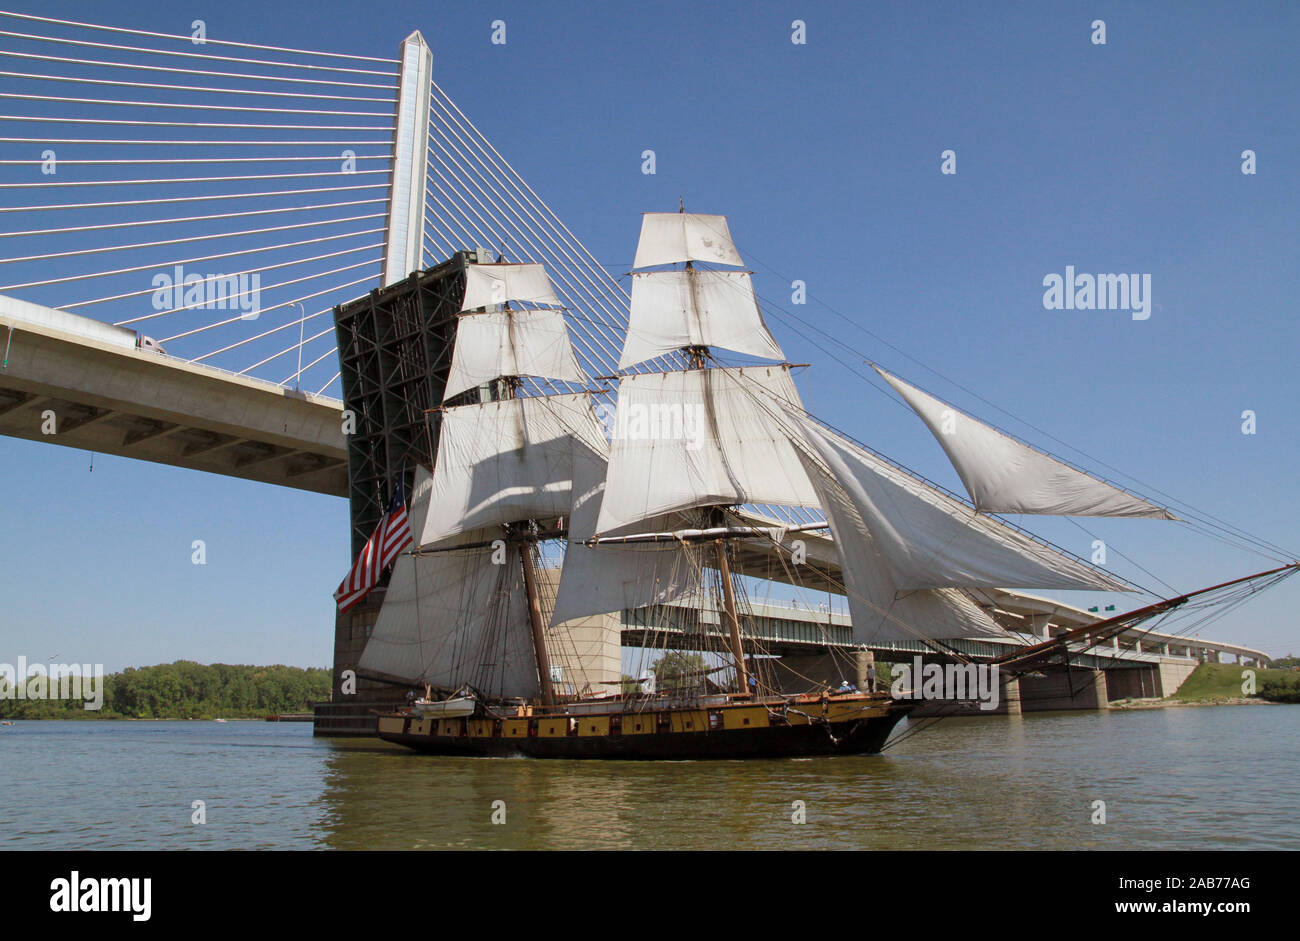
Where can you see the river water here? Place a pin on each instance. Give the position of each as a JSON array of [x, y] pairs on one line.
[[1218, 777]]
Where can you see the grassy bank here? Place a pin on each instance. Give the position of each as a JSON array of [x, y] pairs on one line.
[[1222, 682]]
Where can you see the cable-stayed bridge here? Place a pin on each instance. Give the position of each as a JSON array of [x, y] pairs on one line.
[[180, 215], [179, 218]]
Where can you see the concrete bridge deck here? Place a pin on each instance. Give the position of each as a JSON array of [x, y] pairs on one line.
[[80, 383]]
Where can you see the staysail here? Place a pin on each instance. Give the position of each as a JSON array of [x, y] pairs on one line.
[[878, 610], [1003, 475], [925, 539]]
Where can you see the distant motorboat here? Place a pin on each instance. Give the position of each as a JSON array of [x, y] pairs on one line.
[[218, 720]]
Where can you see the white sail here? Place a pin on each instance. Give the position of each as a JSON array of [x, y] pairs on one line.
[[879, 611], [924, 538], [417, 509], [506, 461], [674, 309], [1004, 476], [669, 238], [701, 437], [453, 617], [605, 579], [609, 579], [511, 343], [489, 285]]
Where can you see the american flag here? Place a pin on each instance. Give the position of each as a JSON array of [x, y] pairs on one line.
[[380, 551]]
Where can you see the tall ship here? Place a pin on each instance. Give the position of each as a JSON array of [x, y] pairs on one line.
[[672, 490]]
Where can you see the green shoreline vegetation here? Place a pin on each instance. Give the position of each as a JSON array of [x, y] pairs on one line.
[[188, 690], [1221, 683]]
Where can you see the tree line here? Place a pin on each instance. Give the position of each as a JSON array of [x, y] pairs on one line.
[[188, 690]]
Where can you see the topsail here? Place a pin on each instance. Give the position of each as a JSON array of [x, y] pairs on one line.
[[701, 437], [510, 460], [492, 343]]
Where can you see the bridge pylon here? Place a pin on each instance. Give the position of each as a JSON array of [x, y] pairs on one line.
[[404, 237]]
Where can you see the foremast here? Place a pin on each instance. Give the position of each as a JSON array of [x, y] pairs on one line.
[[488, 296], [463, 612]]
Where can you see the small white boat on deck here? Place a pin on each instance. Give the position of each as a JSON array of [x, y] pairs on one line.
[[455, 708]]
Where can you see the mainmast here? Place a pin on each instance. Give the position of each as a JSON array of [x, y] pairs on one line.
[[698, 356], [538, 625], [733, 617], [689, 310], [535, 620]]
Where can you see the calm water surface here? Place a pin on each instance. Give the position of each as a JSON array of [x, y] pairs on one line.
[[1206, 778]]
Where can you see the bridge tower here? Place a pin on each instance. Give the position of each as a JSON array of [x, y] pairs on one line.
[[395, 347]]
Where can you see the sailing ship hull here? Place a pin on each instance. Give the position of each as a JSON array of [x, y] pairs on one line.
[[838, 727]]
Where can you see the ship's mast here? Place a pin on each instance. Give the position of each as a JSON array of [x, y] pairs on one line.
[[539, 630], [534, 599], [733, 619], [697, 356]]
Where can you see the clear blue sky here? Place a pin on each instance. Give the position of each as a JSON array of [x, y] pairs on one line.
[[826, 157]]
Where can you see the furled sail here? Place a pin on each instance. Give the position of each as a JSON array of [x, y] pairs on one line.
[[509, 460], [924, 538], [453, 617], [675, 309], [1004, 476], [511, 343], [669, 238], [879, 611], [701, 437], [489, 285]]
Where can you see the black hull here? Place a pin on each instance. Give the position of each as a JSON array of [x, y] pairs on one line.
[[855, 737]]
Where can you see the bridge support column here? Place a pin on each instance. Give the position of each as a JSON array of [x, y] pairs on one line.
[[865, 659], [1010, 696], [1075, 689]]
